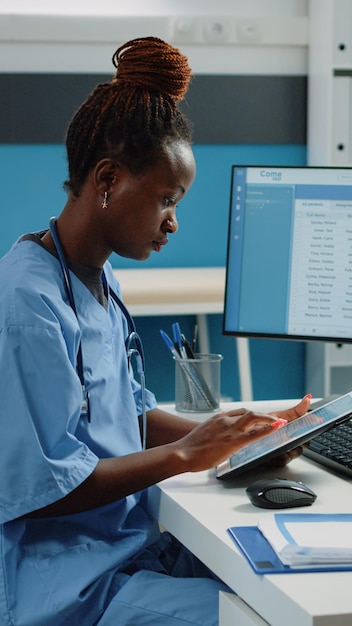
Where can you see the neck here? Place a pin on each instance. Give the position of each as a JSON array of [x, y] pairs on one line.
[[78, 242]]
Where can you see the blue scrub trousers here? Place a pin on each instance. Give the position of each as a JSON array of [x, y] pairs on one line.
[[164, 586]]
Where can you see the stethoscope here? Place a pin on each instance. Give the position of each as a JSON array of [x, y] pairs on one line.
[[133, 343]]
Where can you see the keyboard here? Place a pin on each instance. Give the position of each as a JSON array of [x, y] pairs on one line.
[[333, 448]]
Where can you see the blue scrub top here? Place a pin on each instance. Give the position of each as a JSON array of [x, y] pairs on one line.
[[62, 570]]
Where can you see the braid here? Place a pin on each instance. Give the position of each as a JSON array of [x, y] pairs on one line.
[[134, 113], [155, 65]]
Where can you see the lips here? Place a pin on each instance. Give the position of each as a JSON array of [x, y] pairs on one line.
[[159, 244]]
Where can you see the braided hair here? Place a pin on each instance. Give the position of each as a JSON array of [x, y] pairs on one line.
[[132, 115]]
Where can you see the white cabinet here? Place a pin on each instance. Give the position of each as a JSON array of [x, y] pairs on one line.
[[234, 612], [329, 365], [330, 82], [328, 368]]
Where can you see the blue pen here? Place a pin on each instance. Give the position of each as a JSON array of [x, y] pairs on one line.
[[191, 380], [169, 344], [178, 339], [176, 354]]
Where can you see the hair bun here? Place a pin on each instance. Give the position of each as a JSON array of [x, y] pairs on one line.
[[153, 64]]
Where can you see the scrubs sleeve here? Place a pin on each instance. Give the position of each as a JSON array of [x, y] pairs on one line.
[[41, 459]]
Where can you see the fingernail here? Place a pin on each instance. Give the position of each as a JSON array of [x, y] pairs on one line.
[[308, 395], [279, 422]]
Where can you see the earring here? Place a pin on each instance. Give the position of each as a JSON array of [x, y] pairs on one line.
[[104, 204]]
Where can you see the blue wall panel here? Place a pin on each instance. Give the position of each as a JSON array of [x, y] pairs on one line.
[[277, 367], [32, 177]]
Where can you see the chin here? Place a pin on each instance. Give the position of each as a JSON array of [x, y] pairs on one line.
[[142, 256], [145, 254]]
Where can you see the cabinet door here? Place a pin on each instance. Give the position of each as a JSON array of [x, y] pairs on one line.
[[234, 612]]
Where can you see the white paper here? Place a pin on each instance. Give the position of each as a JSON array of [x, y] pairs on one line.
[[321, 539]]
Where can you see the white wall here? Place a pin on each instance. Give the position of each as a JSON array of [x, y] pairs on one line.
[[154, 7], [240, 36]]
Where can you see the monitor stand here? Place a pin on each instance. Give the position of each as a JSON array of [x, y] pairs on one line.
[[244, 369]]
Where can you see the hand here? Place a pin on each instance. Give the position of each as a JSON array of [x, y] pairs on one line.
[[283, 459], [297, 411], [215, 440]]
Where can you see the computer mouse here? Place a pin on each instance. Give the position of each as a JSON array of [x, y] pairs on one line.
[[279, 493]]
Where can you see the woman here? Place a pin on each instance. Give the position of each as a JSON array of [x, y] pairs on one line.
[[78, 545]]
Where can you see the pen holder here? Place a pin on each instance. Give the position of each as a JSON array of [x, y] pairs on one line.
[[197, 383]]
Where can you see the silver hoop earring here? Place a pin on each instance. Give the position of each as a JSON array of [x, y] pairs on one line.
[[104, 204]]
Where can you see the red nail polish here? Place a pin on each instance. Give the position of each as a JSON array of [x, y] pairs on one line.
[[279, 422]]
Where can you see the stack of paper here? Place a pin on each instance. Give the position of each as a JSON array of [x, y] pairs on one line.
[[306, 540]]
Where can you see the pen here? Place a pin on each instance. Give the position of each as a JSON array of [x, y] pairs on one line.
[[169, 344], [195, 378], [193, 381], [178, 339], [194, 338], [189, 351], [176, 354]]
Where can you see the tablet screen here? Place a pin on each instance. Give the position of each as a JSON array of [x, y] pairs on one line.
[[287, 437]]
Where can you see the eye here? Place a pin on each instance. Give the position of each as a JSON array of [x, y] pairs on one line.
[[169, 201]]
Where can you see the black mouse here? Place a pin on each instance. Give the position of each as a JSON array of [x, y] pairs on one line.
[[279, 493]]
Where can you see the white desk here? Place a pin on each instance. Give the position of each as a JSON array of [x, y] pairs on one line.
[[175, 291], [197, 509]]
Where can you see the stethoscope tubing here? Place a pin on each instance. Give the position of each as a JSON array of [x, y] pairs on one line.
[[130, 323]]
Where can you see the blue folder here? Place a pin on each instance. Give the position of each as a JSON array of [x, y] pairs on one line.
[[263, 558]]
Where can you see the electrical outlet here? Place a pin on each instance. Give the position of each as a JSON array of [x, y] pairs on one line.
[[216, 30], [248, 31], [185, 29]]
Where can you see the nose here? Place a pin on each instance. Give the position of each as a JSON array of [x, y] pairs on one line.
[[171, 225]]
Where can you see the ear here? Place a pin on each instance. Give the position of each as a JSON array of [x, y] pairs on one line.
[[105, 173]]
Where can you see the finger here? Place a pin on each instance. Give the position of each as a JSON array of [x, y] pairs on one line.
[[283, 459], [271, 425], [244, 420], [296, 411]]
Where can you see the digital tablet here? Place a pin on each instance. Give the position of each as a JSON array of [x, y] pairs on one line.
[[287, 437]]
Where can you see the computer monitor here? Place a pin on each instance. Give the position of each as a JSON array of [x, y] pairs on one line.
[[289, 256]]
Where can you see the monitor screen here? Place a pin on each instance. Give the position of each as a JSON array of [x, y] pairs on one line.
[[289, 255]]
